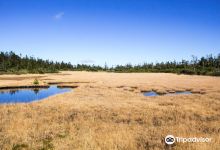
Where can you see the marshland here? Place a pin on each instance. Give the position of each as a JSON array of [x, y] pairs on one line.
[[109, 111]]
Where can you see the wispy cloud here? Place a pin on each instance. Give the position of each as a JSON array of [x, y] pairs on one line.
[[59, 15], [87, 61]]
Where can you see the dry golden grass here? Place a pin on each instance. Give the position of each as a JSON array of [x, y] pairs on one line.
[[108, 112]]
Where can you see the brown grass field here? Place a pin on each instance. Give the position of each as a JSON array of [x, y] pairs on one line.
[[107, 111]]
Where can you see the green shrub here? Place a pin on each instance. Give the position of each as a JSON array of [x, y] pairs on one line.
[[36, 82], [217, 73], [186, 71]]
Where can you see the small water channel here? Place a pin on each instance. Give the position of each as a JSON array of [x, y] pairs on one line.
[[29, 94], [150, 93], [153, 93], [180, 93]]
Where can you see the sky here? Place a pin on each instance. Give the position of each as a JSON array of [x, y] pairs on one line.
[[111, 31]]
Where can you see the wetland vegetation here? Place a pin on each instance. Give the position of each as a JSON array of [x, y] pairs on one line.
[[109, 111]]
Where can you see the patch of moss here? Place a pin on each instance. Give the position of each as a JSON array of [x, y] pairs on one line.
[[47, 144], [19, 146]]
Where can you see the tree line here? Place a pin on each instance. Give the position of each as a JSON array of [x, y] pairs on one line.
[[13, 63], [208, 65]]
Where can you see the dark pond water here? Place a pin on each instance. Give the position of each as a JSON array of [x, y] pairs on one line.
[[29, 95], [152, 93]]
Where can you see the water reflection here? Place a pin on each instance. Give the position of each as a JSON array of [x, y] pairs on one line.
[[13, 91], [36, 91]]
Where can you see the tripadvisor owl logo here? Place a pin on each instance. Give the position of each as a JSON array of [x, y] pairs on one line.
[[169, 139]]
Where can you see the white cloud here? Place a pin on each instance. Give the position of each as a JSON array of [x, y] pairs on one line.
[[87, 61], [59, 15]]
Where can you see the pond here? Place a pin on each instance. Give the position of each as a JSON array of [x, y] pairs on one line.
[[180, 93], [153, 93], [28, 95], [150, 93]]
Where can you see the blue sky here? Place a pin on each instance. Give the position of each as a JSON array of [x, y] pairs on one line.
[[112, 31]]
